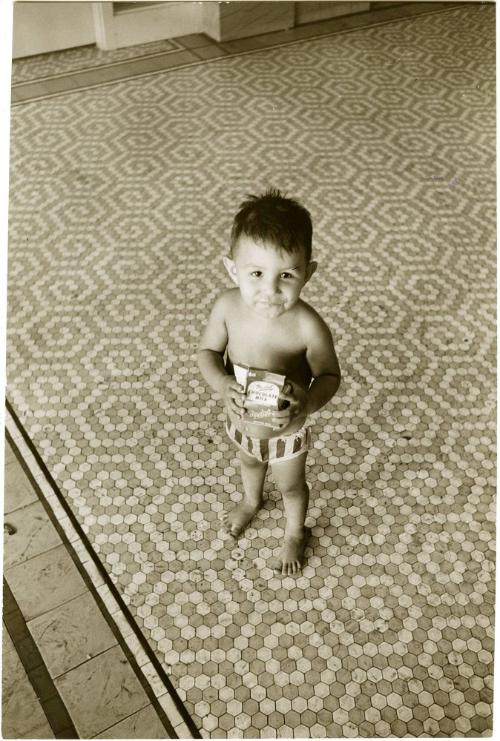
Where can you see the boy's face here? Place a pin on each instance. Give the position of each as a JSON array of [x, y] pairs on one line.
[[270, 280]]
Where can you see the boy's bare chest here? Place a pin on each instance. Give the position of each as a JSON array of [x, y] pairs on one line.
[[276, 346]]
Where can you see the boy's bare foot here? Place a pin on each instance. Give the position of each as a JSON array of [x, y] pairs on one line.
[[239, 517], [292, 552]]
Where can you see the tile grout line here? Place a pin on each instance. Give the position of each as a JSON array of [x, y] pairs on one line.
[[230, 54], [110, 605]]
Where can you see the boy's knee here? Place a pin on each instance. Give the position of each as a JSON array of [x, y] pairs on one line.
[[296, 491]]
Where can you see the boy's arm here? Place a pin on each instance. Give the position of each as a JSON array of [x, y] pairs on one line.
[[211, 358], [324, 366], [325, 370], [212, 347]]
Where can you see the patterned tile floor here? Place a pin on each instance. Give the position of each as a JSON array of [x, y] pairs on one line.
[[81, 58], [121, 201], [75, 668], [53, 74]]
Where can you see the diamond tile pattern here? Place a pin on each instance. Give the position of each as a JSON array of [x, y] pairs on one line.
[[121, 203]]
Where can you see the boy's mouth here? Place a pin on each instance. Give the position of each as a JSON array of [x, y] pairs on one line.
[[270, 309]]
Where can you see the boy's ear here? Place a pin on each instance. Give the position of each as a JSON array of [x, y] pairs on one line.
[[231, 269], [311, 269]]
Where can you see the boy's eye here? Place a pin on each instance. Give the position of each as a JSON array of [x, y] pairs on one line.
[[286, 275], [256, 274]]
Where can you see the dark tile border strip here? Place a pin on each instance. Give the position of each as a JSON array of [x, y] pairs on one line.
[[97, 76], [194, 40], [109, 583], [188, 55], [93, 67], [49, 698]]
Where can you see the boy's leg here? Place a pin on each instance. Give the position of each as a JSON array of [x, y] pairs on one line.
[[253, 473], [290, 478]]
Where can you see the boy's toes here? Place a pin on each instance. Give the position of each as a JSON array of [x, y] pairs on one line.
[[231, 528], [233, 531], [290, 569], [239, 517], [292, 553], [235, 521]]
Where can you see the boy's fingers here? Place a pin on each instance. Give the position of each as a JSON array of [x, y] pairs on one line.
[[236, 397], [236, 387], [290, 397], [279, 421], [282, 413]]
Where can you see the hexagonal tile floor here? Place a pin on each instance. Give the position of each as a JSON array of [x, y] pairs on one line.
[[121, 202]]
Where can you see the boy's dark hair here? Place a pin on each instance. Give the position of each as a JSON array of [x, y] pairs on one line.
[[272, 218]]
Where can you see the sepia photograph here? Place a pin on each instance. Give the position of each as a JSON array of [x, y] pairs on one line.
[[250, 369]]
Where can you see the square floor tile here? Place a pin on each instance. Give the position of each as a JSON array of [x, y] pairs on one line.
[[34, 534], [45, 582], [193, 40], [210, 52], [18, 491], [101, 692], [143, 724], [71, 634], [22, 714]]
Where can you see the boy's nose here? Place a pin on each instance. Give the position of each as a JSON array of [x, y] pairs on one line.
[[272, 287]]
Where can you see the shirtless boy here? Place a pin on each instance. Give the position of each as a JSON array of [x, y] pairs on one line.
[[263, 323]]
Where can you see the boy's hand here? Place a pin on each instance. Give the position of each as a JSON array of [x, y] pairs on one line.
[[233, 395], [298, 404]]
